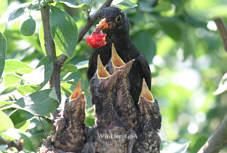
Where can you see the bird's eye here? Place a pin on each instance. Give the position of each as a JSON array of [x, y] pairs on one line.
[[118, 18]]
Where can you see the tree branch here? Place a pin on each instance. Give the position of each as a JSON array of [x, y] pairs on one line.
[[222, 30], [18, 144], [91, 20], [50, 50], [218, 140]]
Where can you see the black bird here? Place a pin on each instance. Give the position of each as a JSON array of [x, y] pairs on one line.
[[118, 33]]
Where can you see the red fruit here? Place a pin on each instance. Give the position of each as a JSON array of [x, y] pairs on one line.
[[96, 40]]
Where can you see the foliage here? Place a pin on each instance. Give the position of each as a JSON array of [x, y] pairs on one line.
[[178, 38]]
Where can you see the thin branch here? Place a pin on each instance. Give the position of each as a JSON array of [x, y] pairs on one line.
[[91, 20], [16, 144], [218, 140], [44, 128], [222, 30], [50, 50], [49, 42]]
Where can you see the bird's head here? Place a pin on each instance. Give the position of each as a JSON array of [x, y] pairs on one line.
[[113, 20], [76, 104], [103, 82], [146, 101], [107, 81], [119, 64], [149, 108]]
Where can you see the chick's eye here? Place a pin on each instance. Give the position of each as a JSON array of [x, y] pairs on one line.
[[118, 18]]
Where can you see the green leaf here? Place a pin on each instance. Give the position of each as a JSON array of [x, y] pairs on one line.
[[16, 13], [38, 103], [3, 47], [85, 4], [41, 38], [82, 64], [145, 7], [48, 69], [3, 6], [25, 89], [145, 44], [5, 122], [171, 27], [90, 118], [2, 103], [222, 87], [11, 79], [163, 6], [28, 27], [208, 9], [17, 66], [38, 4], [69, 68], [175, 146], [53, 94], [188, 43], [8, 90], [124, 4], [64, 31], [23, 126]]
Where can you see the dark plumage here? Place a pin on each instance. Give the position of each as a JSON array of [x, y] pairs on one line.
[[125, 105], [69, 128], [102, 86], [118, 33], [109, 135], [150, 122]]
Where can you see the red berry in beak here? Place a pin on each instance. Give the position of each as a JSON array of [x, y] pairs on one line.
[[96, 40]]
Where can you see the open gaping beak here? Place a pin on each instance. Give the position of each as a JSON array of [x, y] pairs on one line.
[[102, 73], [116, 59], [146, 93], [77, 92]]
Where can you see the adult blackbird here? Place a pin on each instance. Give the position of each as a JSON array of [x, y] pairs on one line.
[[118, 33]]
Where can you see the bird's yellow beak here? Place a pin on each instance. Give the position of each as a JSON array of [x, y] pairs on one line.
[[101, 71], [102, 25], [78, 91], [146, 93], [115, 58]]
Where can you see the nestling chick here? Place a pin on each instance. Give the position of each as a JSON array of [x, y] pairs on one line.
[[125, 105], [103, 87], [69, 128], [148, 140]]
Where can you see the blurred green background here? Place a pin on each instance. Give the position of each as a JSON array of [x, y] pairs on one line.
[[178, 37]]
